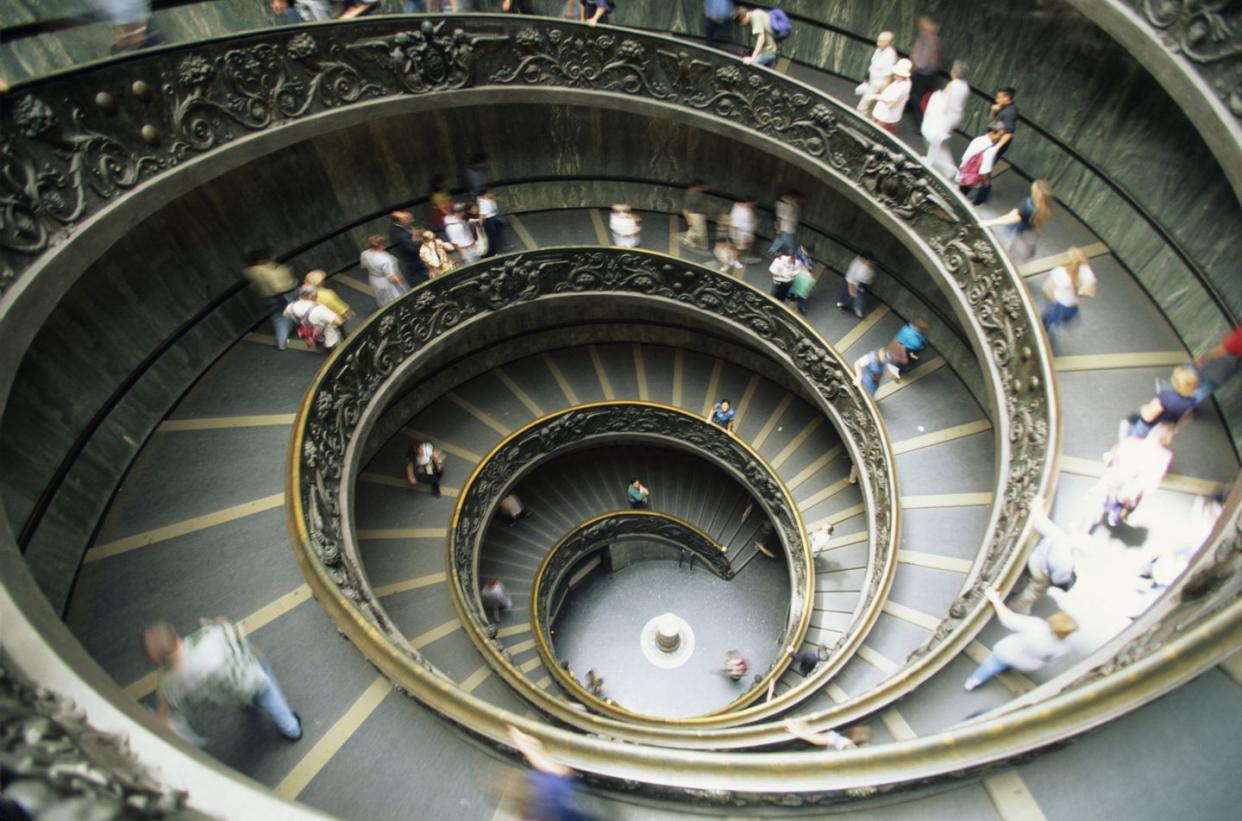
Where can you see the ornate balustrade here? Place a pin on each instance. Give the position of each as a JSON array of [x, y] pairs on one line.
[[585, 426]]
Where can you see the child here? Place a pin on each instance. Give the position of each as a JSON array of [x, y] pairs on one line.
[[726, 255]]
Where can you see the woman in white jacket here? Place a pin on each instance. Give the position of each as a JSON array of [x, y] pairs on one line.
[[944, 112]]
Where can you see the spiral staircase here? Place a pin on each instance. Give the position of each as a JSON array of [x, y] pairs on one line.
[[411, 710]]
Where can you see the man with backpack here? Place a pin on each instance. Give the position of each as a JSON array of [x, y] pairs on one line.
[[769, 28], [974, 173]]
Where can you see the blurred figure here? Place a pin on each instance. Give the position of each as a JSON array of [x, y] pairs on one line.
[[906, 347], [869, 370], [694, 210], [481, 245], [594, 12], [742, 223], [495, 599], [477, 174], [1218, 364], [879, 71], [1027, 221], [457, 231], [424, 462], [594, 682], [439, 201], [804, 661], [297, 11], [765, 541], [436, 255], [735, 666], [1134, 468], [1168, 561], [489, 216], [1064, 285], [516, 7], [722, 415], [1051, 563], [637, 494], [551, 787], [783, 270], [317, 325], [820, 540], [727, 257], [925, 56], [214, 666], [1172, 405], [974, 172], [131, 24], [717, 14], [276, 286], [357, 8], [402, 237], [327, 298], [804, 280], [383, 271], [945, 109], [760, 24], [626, 228], [890, 104], [1033, 643], [857, 737], [786, 224], [858, 279], [512, 509]]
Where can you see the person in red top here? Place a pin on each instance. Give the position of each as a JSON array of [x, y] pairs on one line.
[[1218, 364]]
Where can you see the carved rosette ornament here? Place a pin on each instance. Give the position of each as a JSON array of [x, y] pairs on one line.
[[53, 764]]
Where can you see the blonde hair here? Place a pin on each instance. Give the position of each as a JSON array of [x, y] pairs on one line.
[[428, 236], [377, 241], [1062, 624], [1077, 259], [1041, 196], [315, 278], [1185, 380]]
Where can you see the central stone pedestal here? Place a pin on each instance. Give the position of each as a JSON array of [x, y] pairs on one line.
[[667, 641]]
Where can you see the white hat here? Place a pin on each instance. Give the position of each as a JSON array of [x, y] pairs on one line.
[[903, 68]]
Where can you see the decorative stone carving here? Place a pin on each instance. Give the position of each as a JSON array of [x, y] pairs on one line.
[[54, 764], [1208, 33]]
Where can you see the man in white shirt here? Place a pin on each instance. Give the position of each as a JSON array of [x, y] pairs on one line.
[[858, 279], [489, 215], [742, 225], [819, 541], [891, 102], [624, 226], [458, 232], [786, 224], [975, 180], [308, 313], [783, 269], [878, 72]]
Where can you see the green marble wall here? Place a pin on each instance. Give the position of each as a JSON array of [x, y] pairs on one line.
[[189, 254]]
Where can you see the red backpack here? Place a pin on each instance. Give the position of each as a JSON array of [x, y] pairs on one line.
[[968, 174]]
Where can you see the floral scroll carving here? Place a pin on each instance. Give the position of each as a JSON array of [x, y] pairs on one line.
[[1208, 33]]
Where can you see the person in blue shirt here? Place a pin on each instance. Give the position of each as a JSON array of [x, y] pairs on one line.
[[594, 12], [717, 15], [722, 415], [907, 345], [638, 494]]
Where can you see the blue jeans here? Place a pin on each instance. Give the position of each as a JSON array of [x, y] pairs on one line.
[[857, 304], [271, 702], [765, 60], [415, 6], [985, 672], [785, 243], [872, 373], [281, 324], [1055, 314]]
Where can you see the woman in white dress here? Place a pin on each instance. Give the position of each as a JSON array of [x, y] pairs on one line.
[[945, 109], [383, 271]]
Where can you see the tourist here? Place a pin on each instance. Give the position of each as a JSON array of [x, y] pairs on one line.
[[804, 280], [489, 217], [495, 599], [722, 415], [925, 57], [694, 211], [1033, 643], [717, 14], [1134, 469], [804, 661], [742, 223], [131, 24], [213, 667], [481, 247], [821, 541], [439, 202], [869, 370], [760, 24], [879, 72], [906, 347], [551, 788], [1218, 364], [1027, 221], [317, 324], [974, 172], [1064, 285], [1170, 406], [476, 175], [594, 682], [638, 495], [290, 12], [1051, 563], [890, 103], [436, 255], [383, 271], [516, 7], [512, 509], [1005, 112], [783, 270], [424, 462], [328, 298], [594, 12], [727, 257], [457, 232], [829, 738], [626, 228], [945, 109], [735, 666], [357, 8], [786, 224], [402, 233], [858, 279], [276, 286]]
